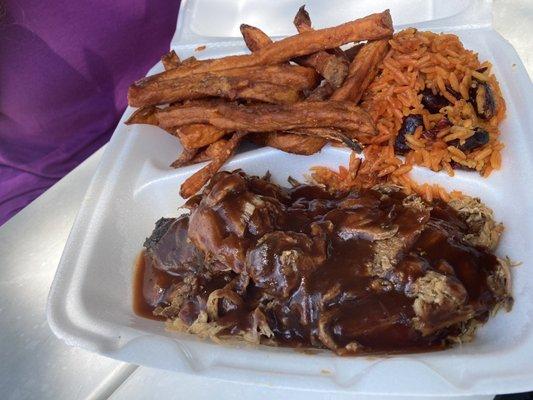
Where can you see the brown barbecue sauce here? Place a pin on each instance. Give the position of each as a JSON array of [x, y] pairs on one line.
[[145, 278]]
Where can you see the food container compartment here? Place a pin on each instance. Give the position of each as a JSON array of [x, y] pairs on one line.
[[90, 303]]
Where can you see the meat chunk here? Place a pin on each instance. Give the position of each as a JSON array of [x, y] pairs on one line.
[[480, 220], [440, 301], [280, 259], [170, 249], [373, 321], [230, 216], [357, 224]]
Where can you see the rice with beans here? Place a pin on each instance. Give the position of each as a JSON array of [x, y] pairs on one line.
[[435, 103]]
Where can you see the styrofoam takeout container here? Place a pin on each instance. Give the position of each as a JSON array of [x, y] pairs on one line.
[[91, 297]]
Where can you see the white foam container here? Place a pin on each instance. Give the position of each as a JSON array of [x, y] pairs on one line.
[[91, 297]]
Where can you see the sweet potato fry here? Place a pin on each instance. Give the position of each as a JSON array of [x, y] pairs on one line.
[[230, 88], [342, 116], [254, 38], [363, 70], [290, 142], [143, 115], [350, 138], [185, 157], [371, 27], [298, 143], [170, 60], [302, 20], [201, 156], [332, 66], [290, 75], [192, 136], [209, 152], [195, 156], [196, 181], [195, 136], [271, 84]]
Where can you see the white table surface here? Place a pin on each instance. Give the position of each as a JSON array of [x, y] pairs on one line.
[[36, 365]]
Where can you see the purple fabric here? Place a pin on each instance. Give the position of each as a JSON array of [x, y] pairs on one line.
[[65, 67]]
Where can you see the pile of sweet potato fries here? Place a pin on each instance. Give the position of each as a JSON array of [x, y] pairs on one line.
[[294, 94]]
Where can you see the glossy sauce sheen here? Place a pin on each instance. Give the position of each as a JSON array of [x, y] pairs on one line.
[[335, 294], [146, 276]]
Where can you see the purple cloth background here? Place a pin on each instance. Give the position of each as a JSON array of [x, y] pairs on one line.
[[65, 67]]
